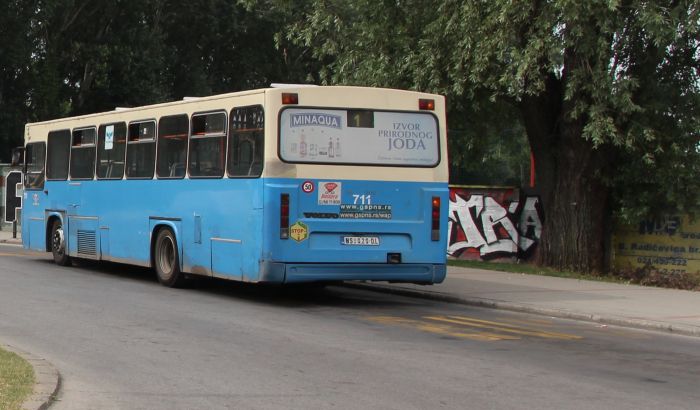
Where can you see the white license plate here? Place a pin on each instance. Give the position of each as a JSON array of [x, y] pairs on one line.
[[360, 240]]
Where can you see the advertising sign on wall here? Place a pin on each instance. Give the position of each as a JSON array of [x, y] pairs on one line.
[[669, 245]]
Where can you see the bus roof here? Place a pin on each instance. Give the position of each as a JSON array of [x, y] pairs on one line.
[[275, 88]]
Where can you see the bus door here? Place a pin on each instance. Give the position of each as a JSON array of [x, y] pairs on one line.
[[34, 198], [83, 233]]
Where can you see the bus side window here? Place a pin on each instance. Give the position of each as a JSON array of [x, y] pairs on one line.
[[111, 148], [172, 146], [35, 156], [141, 150], [207, 156], [246, 136], [82, 154], [57, 156]]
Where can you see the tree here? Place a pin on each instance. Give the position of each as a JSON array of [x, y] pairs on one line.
[[76, 57], [16, 48], [607, 92]]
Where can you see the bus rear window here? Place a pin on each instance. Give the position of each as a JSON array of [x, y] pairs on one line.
[[359, 137]]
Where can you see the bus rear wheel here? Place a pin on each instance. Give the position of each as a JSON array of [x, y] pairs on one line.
[[167, 260], [58, 244]]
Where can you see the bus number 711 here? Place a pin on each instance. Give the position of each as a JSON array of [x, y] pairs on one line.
[[362, 199]]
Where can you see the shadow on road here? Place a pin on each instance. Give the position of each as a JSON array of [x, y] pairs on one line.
[[297, 295]]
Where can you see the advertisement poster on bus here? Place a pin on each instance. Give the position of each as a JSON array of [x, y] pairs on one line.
[[359, 137]]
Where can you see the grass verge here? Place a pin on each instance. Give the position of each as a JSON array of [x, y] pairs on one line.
[[16, 380], [527, 268], [646, 276]]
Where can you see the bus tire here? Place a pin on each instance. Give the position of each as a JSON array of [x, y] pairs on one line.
[[166, 259], [58, 244]]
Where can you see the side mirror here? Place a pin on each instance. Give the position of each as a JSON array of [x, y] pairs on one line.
[[17, 157]]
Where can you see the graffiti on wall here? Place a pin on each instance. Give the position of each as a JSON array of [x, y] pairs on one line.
[[493, 223], [670, 244]]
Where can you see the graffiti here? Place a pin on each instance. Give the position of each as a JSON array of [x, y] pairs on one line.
[[491, 224]]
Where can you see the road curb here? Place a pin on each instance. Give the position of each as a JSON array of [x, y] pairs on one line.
[[4, 242], [47, 380], [517, 307]]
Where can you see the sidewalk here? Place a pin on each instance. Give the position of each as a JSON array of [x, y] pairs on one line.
[[6, 236], [671, 310]]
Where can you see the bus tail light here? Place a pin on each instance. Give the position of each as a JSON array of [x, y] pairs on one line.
[[284, 216], [290, 98], [426, 104], [435, 226]]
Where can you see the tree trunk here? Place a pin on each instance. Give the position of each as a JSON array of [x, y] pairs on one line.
[[568, 179], [573, 235]]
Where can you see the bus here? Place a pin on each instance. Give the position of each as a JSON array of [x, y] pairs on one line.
[[287, 184]]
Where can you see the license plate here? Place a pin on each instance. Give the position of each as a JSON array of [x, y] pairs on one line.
[[360, 240]]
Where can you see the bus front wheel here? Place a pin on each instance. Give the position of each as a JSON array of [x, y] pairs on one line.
[[167, 260], [58, 244]]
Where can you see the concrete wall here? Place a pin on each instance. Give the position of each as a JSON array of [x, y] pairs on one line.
[[497, 223]]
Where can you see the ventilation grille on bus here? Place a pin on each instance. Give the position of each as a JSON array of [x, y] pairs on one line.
[[86, 243]]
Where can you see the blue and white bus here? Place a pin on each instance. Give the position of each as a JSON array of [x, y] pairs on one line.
[[280, 185]]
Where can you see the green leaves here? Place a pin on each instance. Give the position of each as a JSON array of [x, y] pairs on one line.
[[624, 73], [69, 57]]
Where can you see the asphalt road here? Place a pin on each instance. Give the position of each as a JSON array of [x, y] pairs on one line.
[[122, 341]]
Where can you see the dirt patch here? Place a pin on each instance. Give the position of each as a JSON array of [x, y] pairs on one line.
[[648, 276]]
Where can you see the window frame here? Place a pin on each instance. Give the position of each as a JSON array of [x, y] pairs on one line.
[[94, 152], [224, 135], [153, 141], [187, 146], [97, 150], [70, 141], [232, 131], [26, 173]]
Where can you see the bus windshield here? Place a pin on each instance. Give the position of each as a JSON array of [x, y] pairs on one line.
[[359, 137]]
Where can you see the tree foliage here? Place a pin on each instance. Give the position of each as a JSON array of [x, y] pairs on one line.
[[604, 93], [70, 57], [606, 90]]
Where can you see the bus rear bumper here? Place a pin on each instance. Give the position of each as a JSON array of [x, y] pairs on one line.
[[277, 272]]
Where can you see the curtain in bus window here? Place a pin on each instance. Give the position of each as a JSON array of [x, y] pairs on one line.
[[245, 153], [111, 148], [35, 156], [57, 155], [172, 146]]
